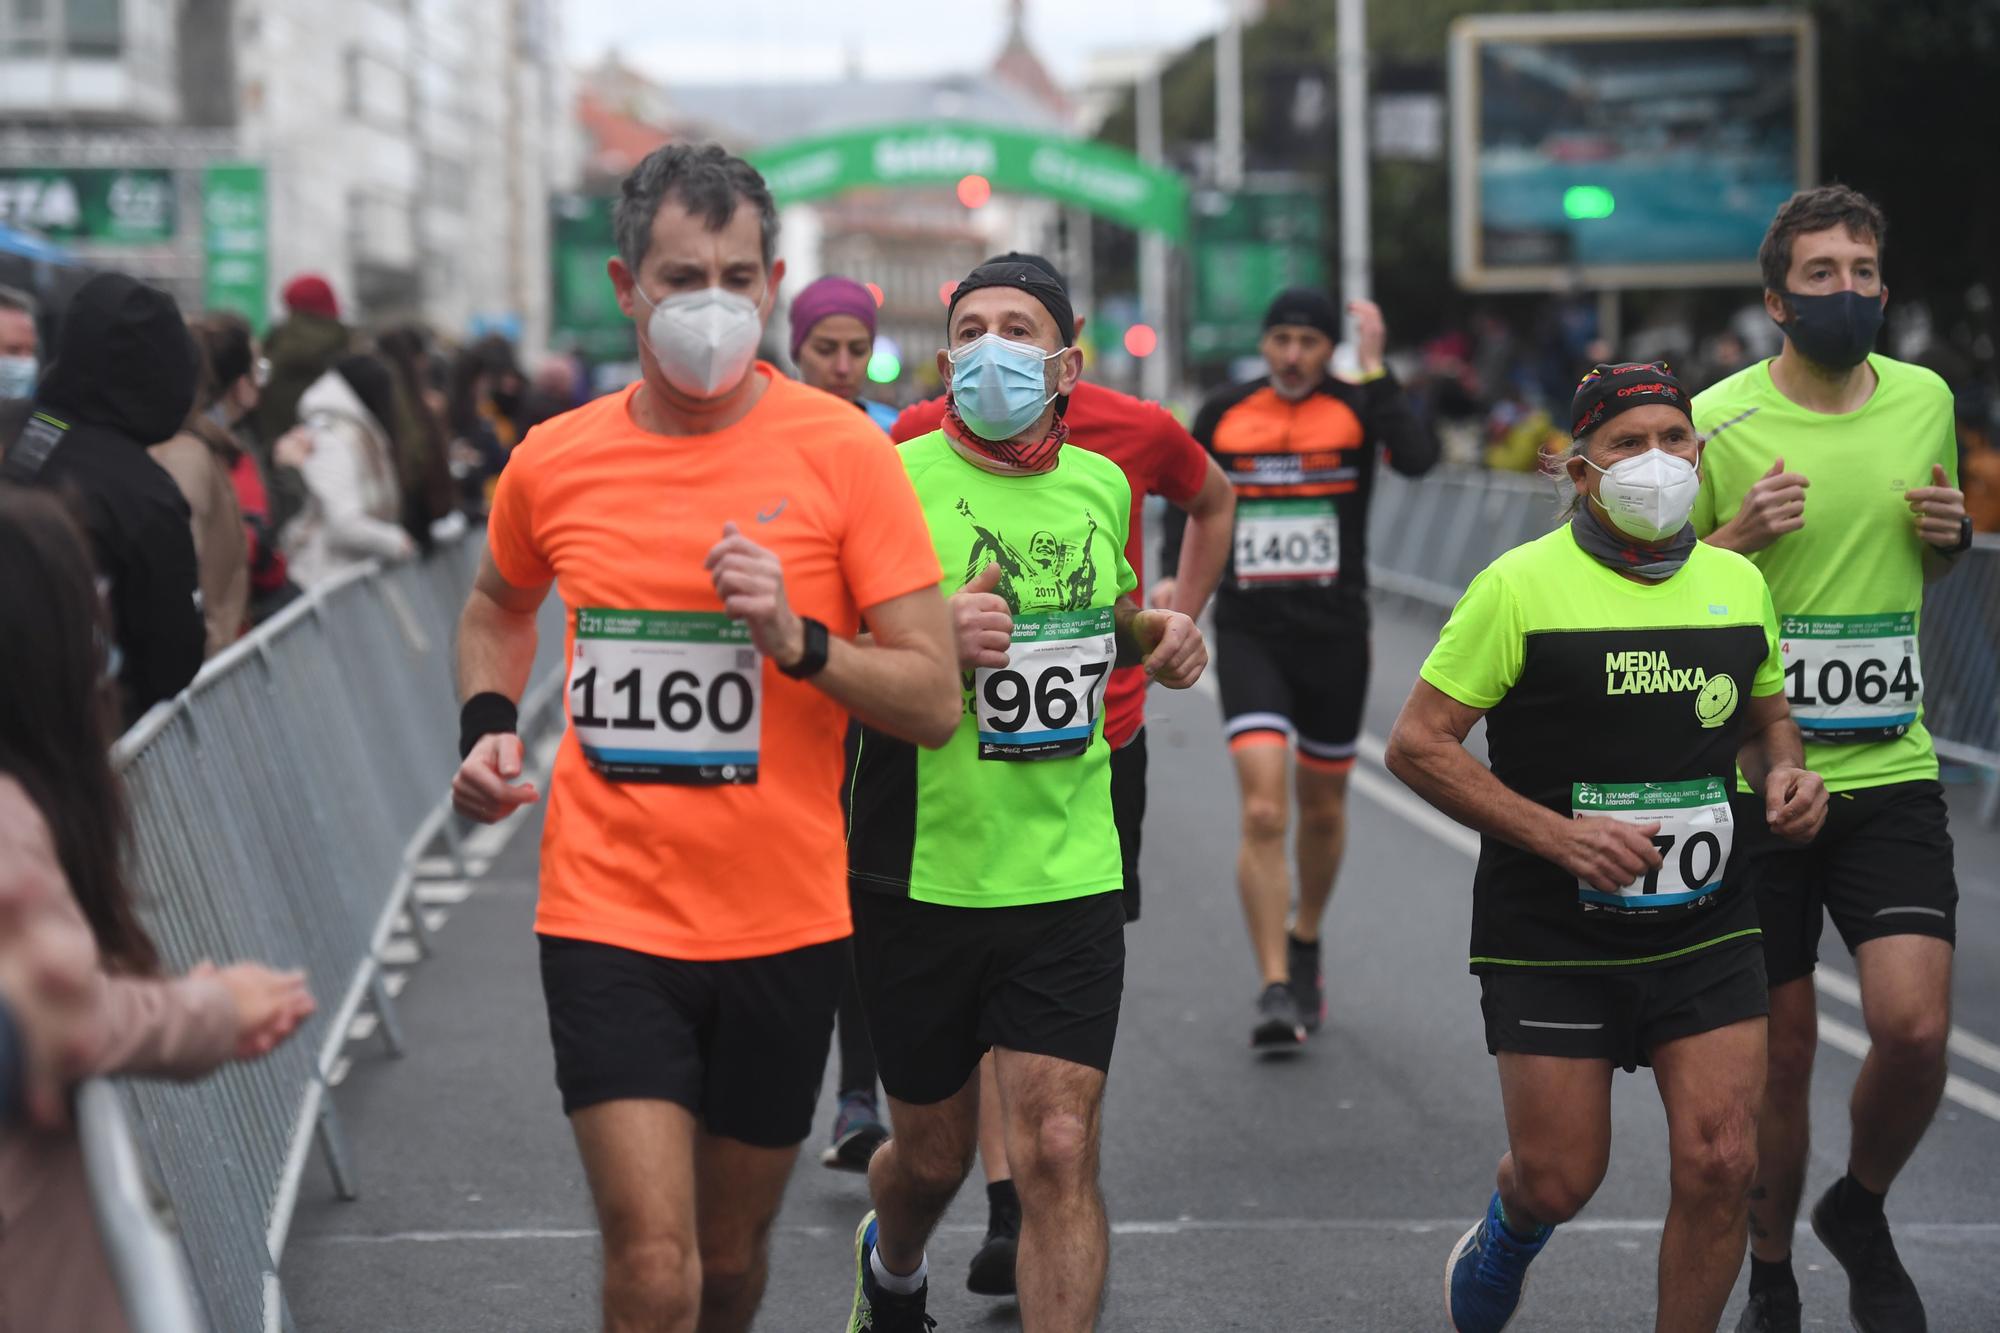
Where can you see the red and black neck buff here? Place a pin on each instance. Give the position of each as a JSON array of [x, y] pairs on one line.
[[1011, 454]]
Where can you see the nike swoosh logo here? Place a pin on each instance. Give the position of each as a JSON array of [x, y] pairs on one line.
[[763, 517]]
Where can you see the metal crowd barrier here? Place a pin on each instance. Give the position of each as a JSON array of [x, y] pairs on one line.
[[280, 805], [1429, 537]]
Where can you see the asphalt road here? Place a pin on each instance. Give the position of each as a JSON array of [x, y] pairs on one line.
[[1319, 1193]]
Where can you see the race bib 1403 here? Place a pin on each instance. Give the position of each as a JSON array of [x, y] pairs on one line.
[[1286, 541], [1695, 835], [1044, 703], [1852, 678], [666, 696]]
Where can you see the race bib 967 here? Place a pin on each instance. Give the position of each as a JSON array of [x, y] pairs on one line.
[[1044, 703]]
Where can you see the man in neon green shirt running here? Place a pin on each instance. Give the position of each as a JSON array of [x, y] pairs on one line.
[[987, 875], [1835, 472]]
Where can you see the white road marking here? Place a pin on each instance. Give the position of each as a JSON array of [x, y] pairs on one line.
[[1393, 796], [1178, 1226], [443, 892], [363, 1027], [1837, 985], [401, 952], [1966, 1093], [338, 1074], [393, 982]]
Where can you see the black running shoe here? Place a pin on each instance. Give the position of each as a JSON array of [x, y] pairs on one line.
[[1770, 1312], [1308, 981], [1880, 1296], [1279, 1027], [992, 1271]]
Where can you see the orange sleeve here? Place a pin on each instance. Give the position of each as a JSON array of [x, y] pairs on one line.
[[887, 551], [510, 528]]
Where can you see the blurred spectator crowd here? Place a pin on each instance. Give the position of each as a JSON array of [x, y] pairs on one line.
[[217, 475]]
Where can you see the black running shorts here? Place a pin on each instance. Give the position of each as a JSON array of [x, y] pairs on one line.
[[1881, 866], [1622, 1016], [1311, 690], [943, 985], [742, 1044], [1128, 812]]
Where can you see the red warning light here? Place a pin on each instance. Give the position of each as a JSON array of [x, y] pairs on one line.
[[974, 191], [945, 289], [1140, 340], [875, 292]]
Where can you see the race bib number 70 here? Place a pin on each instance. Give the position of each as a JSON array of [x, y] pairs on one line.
[[1044, 703], [1694, 838], [666, 696]]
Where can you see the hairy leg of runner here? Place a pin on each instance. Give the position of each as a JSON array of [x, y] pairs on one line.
[[1262, 878], [738, 1190], [1053, 1117], [1321, 837], [1784, 1125], [1906, 1003], [917, 1172], [1558, 1136], [1711, 1084], [639, 1159], [992, 1124]]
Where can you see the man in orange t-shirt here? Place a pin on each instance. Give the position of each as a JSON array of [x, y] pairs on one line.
[[720, 534]]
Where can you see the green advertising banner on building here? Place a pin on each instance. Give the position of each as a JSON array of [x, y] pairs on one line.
[[586, 313], [119, 205], [1096, 177], [1247, 247], [235, 241]]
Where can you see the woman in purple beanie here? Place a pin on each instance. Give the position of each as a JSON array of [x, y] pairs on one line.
[[833, 336]]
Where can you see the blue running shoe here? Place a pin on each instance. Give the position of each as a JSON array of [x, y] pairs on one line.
[[1485, 1274], [875, 1310]]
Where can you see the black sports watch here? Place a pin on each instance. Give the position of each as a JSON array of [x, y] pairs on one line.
[[1964, 542], [813, 660]]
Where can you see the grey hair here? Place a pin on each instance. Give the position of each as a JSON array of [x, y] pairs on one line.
[[13, 298], [703, 178], [1568, 498]]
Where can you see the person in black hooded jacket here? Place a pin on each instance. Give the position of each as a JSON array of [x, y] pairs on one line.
[[124, 376]]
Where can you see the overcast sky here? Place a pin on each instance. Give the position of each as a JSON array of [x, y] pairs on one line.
[[732, 41]]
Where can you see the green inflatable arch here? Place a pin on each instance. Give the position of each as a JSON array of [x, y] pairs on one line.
[[1106, 181]]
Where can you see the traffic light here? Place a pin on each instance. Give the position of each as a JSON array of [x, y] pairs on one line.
[[1141, 340], [1582, 202], [875, 292], [974, 191], [886, 365]]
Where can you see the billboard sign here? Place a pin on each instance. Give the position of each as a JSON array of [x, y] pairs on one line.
[[1644, 149], [1246, 247], [117, 205]]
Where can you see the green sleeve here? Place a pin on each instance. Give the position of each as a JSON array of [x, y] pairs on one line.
[[1771, 672], [1480, 650], [1703, 516], [1128, 578], [1948, 450]]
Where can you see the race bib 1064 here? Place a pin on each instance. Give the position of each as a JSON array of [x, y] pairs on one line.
[[1287, 541], [666, 696], [1695, 836], [1852, 678], [1043, 704]]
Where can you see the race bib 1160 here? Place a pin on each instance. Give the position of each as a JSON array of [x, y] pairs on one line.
[[666, 696], [1852, 678], [1694, 838], [1044, 703]]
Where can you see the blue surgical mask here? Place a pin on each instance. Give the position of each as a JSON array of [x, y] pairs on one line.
[[18, 375], [998, 386]]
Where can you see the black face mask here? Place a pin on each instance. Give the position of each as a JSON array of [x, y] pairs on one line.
[[1836, 330]]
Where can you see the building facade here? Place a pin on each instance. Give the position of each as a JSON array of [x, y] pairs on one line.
[[407, 148]]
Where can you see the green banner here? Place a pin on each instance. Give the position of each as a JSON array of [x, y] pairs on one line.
[[128, 206], [1247, 247], [586, 314], [235, 232], [1104, 180]]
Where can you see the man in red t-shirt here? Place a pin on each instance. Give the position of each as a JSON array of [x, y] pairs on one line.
[[1158, 457]]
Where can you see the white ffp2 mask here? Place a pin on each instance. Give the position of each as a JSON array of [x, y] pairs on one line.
[[1648, 496], [703, 340]]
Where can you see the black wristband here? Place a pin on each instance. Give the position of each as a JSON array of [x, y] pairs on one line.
[[484, 715]]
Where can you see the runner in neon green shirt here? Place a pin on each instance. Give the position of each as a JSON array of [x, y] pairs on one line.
[[987, 875], [1835, 472]]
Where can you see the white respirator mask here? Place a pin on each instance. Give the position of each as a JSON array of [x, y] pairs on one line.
[[1648, 496], [705, 340]]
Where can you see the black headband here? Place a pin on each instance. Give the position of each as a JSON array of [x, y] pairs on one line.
[[1306, 307], [1611, 389], [1025, 277]]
